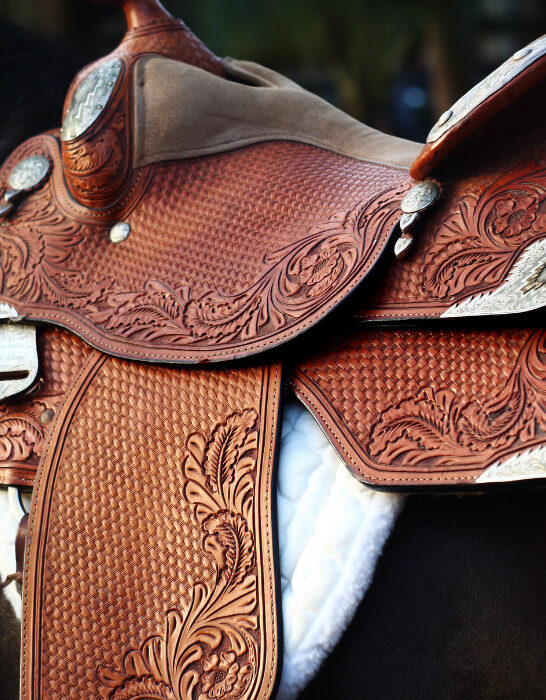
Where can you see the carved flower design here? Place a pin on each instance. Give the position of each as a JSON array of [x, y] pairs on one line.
[[514, 215], [224, 677], [319, 270]]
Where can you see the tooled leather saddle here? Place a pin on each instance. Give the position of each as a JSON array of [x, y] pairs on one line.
[[200, 234]]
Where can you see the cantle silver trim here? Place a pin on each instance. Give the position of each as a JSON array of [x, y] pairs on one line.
[[502, 75]]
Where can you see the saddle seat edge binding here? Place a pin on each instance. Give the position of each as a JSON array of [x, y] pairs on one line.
[[342, 209]]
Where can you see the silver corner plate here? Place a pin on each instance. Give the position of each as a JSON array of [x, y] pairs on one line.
[[18, 358]]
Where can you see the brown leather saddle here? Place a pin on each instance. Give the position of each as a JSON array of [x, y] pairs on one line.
[[200, 234]]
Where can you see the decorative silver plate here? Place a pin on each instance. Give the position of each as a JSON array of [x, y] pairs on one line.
[[29, 173], [18, 358], [506, 72], [421, 196], [523, 290], [90, 99]]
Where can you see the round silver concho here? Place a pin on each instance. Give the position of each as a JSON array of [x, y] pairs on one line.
[[90, 99], [29, 173], [421, 196], [119, 232]]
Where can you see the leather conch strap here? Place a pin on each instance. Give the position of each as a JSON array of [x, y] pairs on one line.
[[149, 571]]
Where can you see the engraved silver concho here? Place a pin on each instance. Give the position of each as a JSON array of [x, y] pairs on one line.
[[501, 76], [29, 173], [420, 197], [90, 99]]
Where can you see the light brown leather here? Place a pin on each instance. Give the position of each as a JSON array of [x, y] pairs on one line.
[[26, 420], [182, 111], [228, 255], [418, 408], [149, 571]]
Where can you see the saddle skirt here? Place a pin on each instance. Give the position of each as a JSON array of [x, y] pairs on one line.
[[200, 234]]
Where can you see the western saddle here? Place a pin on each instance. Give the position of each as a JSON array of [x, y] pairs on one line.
[[175, 256]]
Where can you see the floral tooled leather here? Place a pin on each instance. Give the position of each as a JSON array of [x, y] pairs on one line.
[[228, 255], [492, 211], [26, 420], [173, 505], [428, 407]]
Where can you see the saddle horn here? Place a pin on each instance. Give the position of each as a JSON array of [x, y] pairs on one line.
[[97, 117]]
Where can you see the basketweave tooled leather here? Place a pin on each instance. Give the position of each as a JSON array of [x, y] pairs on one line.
[[150, 566], [26, 420], [493, 211], [429, 407], [228, 254]]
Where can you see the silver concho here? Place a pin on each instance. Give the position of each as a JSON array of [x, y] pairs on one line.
[[488, 86], [29, 173], [90, 99], [119, 232], [421, 196]]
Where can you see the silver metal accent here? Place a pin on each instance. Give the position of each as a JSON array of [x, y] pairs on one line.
[[523, 290], [408, 221], [446, 116], [18, 354], [402, 245], [29, 173], [119, 232], [489, 85], [6, 209], [7, 311], [421, 196], [530, 464], [521, 53], [90, 99]]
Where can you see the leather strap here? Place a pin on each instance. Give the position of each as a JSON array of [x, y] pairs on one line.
[[150, 567]]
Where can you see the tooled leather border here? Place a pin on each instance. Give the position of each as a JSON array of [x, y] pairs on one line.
[[264, 512]]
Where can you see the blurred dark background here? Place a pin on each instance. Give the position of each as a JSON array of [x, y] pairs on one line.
[[395, 64]]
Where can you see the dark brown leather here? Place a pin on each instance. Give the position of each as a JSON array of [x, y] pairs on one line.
[[428, 407], [26, 420], [149, 571]]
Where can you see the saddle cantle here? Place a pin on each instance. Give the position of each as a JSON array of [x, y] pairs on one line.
[[197, 210]]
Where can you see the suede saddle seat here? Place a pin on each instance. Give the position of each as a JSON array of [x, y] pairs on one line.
[[200, 234]]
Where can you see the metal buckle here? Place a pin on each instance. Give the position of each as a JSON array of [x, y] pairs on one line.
[[18, 354]]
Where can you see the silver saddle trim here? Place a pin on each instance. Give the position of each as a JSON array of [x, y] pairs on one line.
[[18, 354]]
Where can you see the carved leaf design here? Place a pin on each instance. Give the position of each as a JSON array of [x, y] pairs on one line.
[[301, 278], [476, 244], [223, 451], [440, 427], [209, 645], [19, 438]]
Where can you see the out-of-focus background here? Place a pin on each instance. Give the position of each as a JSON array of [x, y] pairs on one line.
[[395, 64]]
